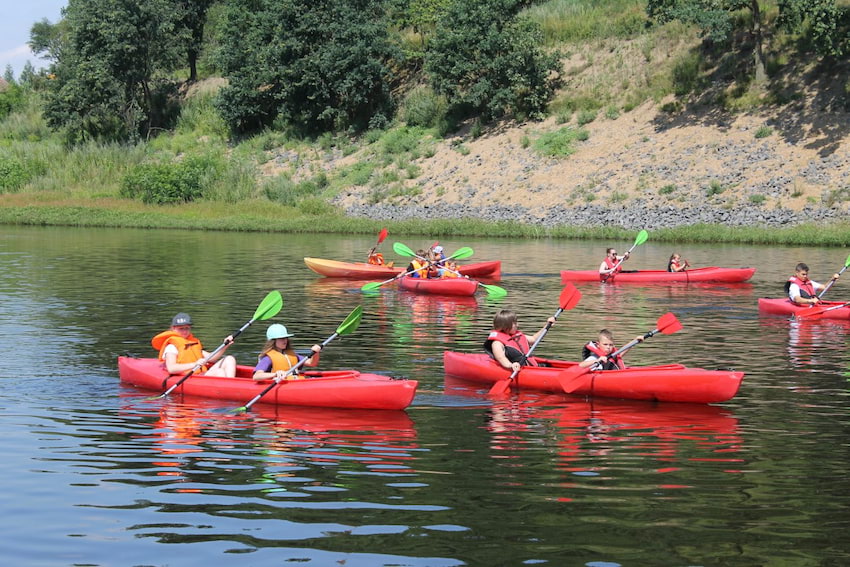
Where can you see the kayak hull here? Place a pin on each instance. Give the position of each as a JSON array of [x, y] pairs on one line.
[[668, 383], [362, 270], [330, 389], [711, 274], [783, 306], [439, 286]]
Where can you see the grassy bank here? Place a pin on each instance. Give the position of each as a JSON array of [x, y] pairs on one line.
[[260, 216]]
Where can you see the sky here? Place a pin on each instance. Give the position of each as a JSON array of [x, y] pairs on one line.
[[15, 23]]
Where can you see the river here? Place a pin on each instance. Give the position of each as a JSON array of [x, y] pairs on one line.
[[95, 474]]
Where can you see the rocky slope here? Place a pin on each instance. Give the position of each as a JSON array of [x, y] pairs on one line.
[[644, 168]]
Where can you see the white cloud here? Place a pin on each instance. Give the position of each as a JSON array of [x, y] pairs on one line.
[[17, 57]]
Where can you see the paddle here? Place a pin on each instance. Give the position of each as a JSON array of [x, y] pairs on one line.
[[460, 254], [493, 291], [829, 285], [572, 378], [641, 238], [268, 308], [817, 312], [345, 328], [568, 299], [381, 237]]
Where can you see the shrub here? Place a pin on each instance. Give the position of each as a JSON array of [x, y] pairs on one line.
[[667, 189], [585, 117], [560, 143], [764, 132], [757, 199], [166, 183], [423, 107], [13, 174]]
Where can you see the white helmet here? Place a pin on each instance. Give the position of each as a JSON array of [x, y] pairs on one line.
[[277, 331]]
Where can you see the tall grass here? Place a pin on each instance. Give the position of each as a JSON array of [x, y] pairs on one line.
[[568, 21]]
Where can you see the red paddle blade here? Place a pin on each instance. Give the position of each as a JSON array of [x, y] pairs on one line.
[[570, 297], [382, 235], [668, 324], [572, 378], [500, 387]]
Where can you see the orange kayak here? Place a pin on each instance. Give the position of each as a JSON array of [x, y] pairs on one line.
[[362, 270]]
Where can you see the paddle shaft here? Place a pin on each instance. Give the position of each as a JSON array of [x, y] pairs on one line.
[[289, 372], [527, 355], [401, 275], [831, 281]]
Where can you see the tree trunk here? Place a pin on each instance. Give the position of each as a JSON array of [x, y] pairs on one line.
[[758, 53]]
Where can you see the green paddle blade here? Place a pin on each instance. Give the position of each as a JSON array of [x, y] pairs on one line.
[[643, 236], [371, 286], [462, 253], [269, 307], [494, 291], [403, 250], [351, 322], [847, 262]]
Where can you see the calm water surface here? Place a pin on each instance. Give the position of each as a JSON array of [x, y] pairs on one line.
[[94, 474]]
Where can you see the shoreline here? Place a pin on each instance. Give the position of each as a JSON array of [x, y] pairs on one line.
[[746, 225]]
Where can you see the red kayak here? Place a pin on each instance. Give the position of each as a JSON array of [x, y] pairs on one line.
[[439, 286], [669, 383], [710, 274], [362, 270], [784, 306], [328, 389]]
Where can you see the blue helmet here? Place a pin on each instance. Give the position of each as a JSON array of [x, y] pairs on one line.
[[278, 331]]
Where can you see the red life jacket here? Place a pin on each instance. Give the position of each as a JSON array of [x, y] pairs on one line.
[[674, 266], [807, 289], [516, 346], [614, 362]]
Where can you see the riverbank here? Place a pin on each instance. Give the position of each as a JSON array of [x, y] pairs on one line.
[[504, 222]]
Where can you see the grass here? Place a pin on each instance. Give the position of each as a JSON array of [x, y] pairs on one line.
[[613, 61]]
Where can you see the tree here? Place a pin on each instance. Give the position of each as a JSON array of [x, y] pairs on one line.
[[194, 19], [9, 74], [486, 59], [318, 65], [106, 66], [716, 19], [829, 37], [46, 39]]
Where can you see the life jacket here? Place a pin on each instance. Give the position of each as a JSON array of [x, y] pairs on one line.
[[450, 270], [807, 289], [281, 360], [516, 346], [189, 349], [614, 363], [419, 268], [609, 263], [673, 264], [377, 259]]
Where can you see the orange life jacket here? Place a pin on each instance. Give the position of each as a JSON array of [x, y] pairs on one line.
[[377, 259], [281, 360], [189, 349], [420, 268]]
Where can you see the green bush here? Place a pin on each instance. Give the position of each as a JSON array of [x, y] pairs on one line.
[[560, 143], [166, 183], [764, 132], [423, 107], [13, 174]]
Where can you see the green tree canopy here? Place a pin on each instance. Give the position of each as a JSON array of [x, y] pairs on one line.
[[317, 65], [106, 68], [486, 59]]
